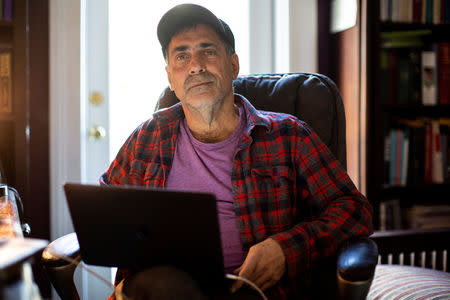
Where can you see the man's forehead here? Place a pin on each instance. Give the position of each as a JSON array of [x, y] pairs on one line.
[[198, 35]]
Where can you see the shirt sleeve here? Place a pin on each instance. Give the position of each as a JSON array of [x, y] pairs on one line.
[[343, 212], [120, 169]]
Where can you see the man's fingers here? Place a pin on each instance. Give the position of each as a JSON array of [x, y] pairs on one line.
[[268, 284], [237, 271], [262, 277], [246, 271]]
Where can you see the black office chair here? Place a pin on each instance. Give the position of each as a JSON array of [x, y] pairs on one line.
[[313, 98]]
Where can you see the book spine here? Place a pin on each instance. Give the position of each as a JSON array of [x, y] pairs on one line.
[[429, 12], [392, 157], [382, 216], [417, 11], [387, 154], [429, 96], [428, 155], [5, 81], [419, 155], [443, 76], [384, 13], [444, 145], [405, 158], [447, 12], [404, 79], [410, 8], [437, 12], [393, 78], [415, 91], [436, 150], [1, 9], [7, 10], [398, 157], [384, 76]]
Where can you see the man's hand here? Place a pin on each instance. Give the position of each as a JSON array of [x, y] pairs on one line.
[[264, 265]]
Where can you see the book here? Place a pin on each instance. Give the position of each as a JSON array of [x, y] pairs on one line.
[[405, 159], [1, 9], [416, 168], [384, 76], [443, 75], [429, 78], [399, 140], [429, 216], [7, 10], [436, 154], [382, 216], [409, 77], [5, 81], [404, 79], [437, 12], [392, 156], [393, 78], [429, 12], [424, 11], [444, 145], [415, 91], [393, 216], [384, 11], [417, 11], [428, 178], [387, 155], [447, 12]]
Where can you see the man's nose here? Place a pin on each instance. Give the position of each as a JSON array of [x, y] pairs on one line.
[[197, 64]]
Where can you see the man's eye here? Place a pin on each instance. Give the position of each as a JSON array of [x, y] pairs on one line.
[[210, 52], [181, 57]]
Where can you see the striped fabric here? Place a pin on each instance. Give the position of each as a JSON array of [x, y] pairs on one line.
[[396, 282]]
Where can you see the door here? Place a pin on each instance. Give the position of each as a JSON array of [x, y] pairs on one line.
[[95, 104]]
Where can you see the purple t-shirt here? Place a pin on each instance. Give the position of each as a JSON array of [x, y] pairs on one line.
[[206, 167]]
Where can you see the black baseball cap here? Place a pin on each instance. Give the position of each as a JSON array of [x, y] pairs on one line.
[[185, 16]]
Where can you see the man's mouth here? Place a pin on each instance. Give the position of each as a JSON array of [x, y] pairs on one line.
[[199, 84]]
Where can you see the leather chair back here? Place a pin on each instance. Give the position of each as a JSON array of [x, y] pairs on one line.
[[313, 98]]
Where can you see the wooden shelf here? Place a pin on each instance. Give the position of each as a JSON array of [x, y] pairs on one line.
[[424, 194], [417, 110], [6, 23], [390, 26]]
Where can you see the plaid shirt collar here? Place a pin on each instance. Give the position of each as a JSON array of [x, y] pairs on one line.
[[175, 113]]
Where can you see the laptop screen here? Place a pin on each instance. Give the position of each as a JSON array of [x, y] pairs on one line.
[[137, 228]]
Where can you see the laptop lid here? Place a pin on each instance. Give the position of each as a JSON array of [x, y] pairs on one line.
[[136, 228]]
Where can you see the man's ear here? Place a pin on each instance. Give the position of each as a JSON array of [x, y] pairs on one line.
[[235, 65], [169, 77]]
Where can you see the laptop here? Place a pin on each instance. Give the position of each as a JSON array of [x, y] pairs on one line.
[[137, 228]]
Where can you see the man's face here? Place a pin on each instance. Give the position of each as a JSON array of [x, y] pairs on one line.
[[199, 70]]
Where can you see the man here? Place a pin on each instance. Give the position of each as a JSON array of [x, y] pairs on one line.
[[284, 201]]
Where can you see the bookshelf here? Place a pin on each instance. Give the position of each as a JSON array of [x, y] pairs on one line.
[[407, 125], [24, 115]]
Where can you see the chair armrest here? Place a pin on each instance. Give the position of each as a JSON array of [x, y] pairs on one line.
[[59, 270], [356, 262]]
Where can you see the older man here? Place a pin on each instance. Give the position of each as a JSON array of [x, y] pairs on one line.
[[284, 201]]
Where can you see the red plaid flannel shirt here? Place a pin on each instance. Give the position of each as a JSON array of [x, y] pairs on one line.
[[286, 185]]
